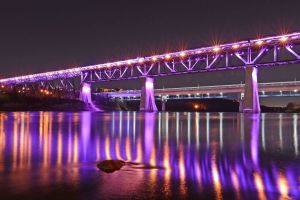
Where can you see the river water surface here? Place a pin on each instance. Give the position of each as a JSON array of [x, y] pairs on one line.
[[49, 155]]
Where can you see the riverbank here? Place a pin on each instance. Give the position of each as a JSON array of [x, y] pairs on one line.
[[16, 102], [189, 105], [20, 102]]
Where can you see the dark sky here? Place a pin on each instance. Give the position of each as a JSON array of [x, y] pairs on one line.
[[38, 36]]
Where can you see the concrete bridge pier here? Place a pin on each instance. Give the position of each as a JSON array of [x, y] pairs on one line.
[[86, 96], [163, 103], [240, 100], [147, 103], [250, 102], [85, 93]]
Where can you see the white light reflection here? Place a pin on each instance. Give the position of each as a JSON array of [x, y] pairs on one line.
[[221, 130], [242, 127], [120, 124], [159, 128], [295, 135], [128, 122], [134, 125], [113, 123], [207, 129], [263, 136], [177, 129], [280, 131], [167, 127], [197, 119], [189, 128]]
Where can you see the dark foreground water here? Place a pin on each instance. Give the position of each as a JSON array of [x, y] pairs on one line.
[[46, 155]]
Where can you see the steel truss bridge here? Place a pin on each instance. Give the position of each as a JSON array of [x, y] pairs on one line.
[[250, 55], [263, 52]]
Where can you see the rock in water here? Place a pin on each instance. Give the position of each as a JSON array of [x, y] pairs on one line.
[[109, 166]]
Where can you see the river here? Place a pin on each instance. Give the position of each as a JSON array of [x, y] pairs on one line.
[[169, 155]]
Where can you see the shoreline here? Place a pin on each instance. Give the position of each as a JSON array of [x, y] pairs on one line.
[[14, 102]]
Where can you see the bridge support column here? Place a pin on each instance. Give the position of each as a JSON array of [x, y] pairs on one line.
[[163, 103], [251, 99], [147, 96], [85, 93]]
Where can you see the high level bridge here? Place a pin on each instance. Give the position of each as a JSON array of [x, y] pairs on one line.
[[249, 54]]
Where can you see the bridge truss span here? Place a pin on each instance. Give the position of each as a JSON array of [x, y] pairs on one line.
[[259, 53], [269, 51]]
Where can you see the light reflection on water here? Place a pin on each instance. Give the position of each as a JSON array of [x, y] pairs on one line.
[[180, 155]]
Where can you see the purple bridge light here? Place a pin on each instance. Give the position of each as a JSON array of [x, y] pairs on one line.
[[249, 54], [226, 56]]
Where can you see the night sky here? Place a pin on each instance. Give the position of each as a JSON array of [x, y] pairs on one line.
[[39, 36]]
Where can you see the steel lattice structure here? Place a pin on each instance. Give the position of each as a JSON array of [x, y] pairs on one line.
[[269, 51]]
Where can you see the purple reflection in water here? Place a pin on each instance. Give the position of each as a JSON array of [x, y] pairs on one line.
[[57, 152], [85, 131], [255, 121], [149, 133]]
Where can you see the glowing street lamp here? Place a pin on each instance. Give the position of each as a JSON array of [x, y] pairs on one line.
[[182, 54], [235, 46], [154, 58], [259, 42], [141, 60], [168, 56], [216, 49], [284, 39]]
